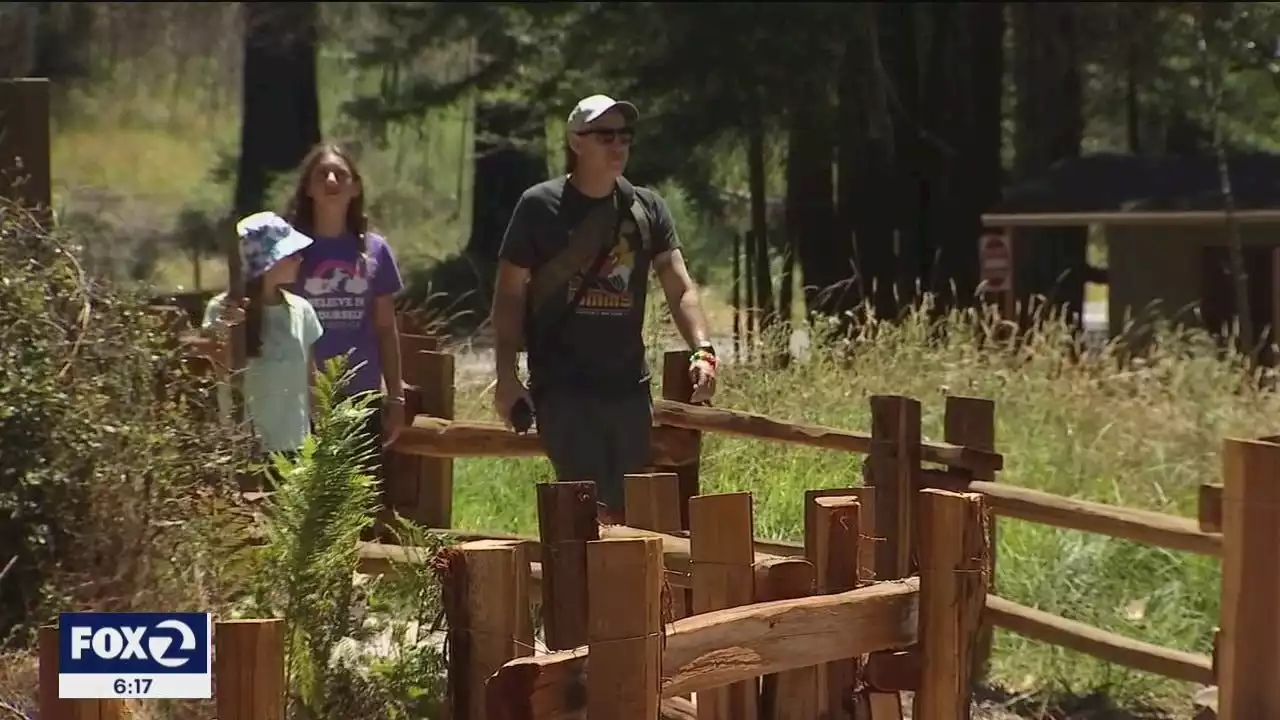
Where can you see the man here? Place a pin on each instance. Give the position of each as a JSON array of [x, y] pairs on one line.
[[571, 286]]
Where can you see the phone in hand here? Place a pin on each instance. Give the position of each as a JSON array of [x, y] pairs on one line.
[[521, 416]]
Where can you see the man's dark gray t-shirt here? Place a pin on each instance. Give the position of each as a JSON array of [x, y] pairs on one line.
[[599, 347]]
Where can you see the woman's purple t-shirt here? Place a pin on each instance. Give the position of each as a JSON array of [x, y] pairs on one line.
[[342, 289]]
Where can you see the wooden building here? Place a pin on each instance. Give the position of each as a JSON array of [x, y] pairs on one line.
[[1165, 230]]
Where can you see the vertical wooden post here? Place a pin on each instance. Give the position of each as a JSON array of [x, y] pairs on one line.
[[248, 669], [25, 146], [1248, 664], [971, 422], [566, 523], [894, 462], [722, 555], [625, 628], [791, 695], [51, 708], [496, 626], [653, 503], [954, 574], [421, 488], [835, 560], [1210, 507], [677, 386]]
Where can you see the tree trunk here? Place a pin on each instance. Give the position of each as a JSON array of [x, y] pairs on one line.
[[859, 255], [759, 222], [962, 93], [510, 157], [280, 119], [1049, 125]]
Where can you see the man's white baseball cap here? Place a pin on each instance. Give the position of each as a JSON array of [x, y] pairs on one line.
[[591, 108]]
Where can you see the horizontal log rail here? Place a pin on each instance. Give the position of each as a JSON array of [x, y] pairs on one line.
[[1173, 532], [726, 646], [672, 443], [1107, 646]]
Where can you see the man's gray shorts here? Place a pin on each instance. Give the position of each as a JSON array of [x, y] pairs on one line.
[[598, 438]]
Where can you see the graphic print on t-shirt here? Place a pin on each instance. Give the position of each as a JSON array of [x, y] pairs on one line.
[[337, 290], [610, 294]]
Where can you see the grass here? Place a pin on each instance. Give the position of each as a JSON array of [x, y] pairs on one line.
[[1144, 437]]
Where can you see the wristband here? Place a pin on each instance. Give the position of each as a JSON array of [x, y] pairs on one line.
[[704, 356]]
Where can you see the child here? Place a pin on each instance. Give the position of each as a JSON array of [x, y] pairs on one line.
[[280, 330]]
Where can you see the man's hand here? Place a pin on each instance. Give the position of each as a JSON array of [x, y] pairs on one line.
[[703, 374], [506, 392]]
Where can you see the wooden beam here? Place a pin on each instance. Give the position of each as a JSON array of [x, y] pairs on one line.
[[1120, 218], [1209, 510], [1151, 528], [734, 645], [1107, 646], [760, 427], [953, 588], [624, 628], [723, 577], [438, 437], [1248, 664], [248, 668]]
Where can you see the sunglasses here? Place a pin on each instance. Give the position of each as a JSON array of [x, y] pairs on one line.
[[610, 136]]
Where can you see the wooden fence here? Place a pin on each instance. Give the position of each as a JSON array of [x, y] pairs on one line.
[[248, 676], [1239, 521]]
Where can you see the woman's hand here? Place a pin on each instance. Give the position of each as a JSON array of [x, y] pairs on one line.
[[392, 420]]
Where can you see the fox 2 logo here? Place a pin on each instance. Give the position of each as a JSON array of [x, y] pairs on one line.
[[134, 643]]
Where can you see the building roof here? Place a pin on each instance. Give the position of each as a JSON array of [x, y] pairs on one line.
[[1110, 188]]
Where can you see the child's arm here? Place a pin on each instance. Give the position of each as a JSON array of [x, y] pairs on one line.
[[311, 380]]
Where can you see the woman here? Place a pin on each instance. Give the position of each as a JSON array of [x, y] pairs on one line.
[[350, 276], [280, 332]]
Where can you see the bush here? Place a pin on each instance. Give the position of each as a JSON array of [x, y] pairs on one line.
[[106, 453]]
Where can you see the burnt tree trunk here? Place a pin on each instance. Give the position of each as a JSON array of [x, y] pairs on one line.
[[859, 256], [1049, 124], [510, 157], [280, 120], [962, 94]]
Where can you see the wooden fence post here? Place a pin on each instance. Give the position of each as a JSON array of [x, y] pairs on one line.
[[624, 577], [971, 422], [892, 467], [52, 708], [653, 503], [836, 562], [487, 602], [722, 556], [954, 573], [419, 487], [566, 523], [1249, 653], [25, 146], [677, 386], [894, 463], [791, 695], [248, 669]]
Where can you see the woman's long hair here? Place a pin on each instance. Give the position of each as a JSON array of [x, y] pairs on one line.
[[253, 317], [300, 211]]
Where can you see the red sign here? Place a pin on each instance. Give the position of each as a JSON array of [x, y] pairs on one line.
[[995, 259]]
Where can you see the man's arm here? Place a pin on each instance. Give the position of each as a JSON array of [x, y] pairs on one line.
[[507, 317], [668, 264], [515, 257], [682, 297]]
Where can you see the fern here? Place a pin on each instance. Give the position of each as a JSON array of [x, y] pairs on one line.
[[322, 502]]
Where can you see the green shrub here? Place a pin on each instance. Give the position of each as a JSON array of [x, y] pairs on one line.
[[105, 456]]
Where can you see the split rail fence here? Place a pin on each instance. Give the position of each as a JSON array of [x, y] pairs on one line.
[[1239, 521]]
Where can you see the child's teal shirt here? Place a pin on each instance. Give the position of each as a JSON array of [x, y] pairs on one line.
[[277, 384]]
